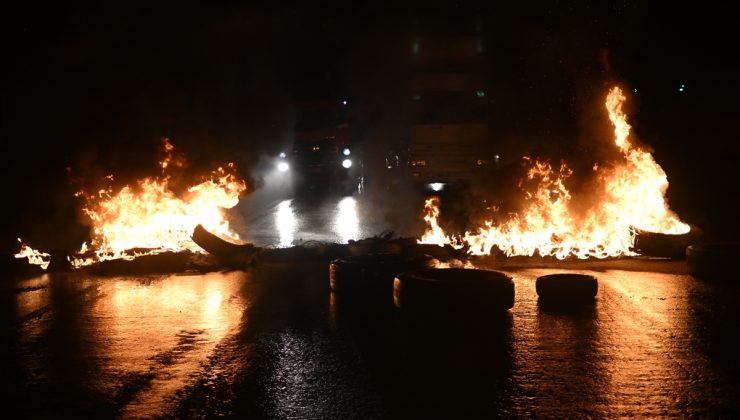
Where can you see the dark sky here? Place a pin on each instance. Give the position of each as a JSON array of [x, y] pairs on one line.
[[94, 85]]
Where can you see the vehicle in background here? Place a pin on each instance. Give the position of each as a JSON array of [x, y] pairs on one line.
[[323, 156]]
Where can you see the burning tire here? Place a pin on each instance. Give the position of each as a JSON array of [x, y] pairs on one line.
[[664, 245], [712, 260], [451, 291], [229, 254], [567, 288], [372, 275]]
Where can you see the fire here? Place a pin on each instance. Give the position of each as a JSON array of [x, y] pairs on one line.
[[639, 185], [434, 234], [149, 217], [631, 197], [33, 256]]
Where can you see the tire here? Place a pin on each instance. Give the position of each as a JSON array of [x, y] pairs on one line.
[[567, 289], [712, 260], [371, 276], [228, 254], [663, 245], [453, 291]]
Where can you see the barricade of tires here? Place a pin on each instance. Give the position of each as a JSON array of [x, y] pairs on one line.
[[453, 291], [371, 276], [712, 260], [567, 289]]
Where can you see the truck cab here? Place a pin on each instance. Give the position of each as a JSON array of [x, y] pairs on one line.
[[322, 155]]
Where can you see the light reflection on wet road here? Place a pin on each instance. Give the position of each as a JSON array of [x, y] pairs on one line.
[[283, 220], [273, 342], [124, 344], [293, 221]]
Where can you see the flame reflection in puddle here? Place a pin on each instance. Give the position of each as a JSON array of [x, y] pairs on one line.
[[160, 331], [630, 354]]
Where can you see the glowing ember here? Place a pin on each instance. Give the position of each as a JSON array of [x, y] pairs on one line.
[[149, 218], [629, 196], [33, 256]]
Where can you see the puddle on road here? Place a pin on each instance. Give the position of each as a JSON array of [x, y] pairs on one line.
[[135, 341], [648, 346], [166, 328]]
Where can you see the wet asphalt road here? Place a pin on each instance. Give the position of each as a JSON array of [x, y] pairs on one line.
[[273, 342], [277, 217]]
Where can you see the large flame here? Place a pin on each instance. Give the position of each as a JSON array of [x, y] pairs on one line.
[[149, 217], [434, 234], [631, 197], [638, 186]]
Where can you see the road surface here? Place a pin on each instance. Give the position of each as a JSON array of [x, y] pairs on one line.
[[273, 342], [278, 218]]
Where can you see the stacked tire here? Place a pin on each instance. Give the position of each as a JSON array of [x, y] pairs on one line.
[[453, 292], [370, 277]]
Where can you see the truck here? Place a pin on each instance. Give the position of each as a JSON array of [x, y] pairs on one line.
[[323, 155]]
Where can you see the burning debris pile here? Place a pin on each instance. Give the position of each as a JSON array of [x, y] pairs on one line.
[[150, 217], [629, 198], [153, 217], [33, 256]]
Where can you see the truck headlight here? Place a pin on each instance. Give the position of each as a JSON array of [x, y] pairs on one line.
[[346, 151], [437, 186], [346, 163], [283, 166]]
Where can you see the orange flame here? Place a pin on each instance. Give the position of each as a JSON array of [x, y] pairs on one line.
[[435, 234], [631, 196], [34, 257], [150, 218], [638, 186]]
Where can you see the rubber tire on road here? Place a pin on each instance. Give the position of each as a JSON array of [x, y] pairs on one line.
[[229, 254], [372, 275], [453, 290], [716, 259], [567, 288], [663, 245]]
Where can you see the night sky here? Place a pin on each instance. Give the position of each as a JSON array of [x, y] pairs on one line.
[[93, 86]]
